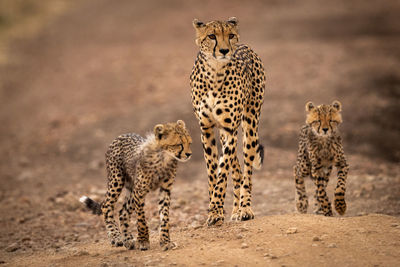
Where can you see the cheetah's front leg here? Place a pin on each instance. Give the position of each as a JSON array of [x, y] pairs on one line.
[[143, 229], [210, 156], [216, 207], [321, 180], [164, 204], [301, 196], [340, 203]]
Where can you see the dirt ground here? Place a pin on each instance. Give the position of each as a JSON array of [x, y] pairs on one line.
[[100, 68]]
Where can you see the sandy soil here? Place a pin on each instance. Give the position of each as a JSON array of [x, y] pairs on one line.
[[101, 69]]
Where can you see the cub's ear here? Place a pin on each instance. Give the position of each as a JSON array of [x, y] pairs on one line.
[[336, 104], [159, 131], [198, 24], [181, 123], [233, 20], [309, 106]]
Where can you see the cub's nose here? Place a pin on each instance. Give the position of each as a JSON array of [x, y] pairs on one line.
[[188, 154], [325, 130], [224, 51]]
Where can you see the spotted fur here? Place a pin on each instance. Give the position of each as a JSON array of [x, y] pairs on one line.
[[228, 83], [320, 148], [140, 165]]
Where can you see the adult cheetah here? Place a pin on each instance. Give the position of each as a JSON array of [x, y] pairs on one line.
[[140, 165], [320, 147], [227, 82]]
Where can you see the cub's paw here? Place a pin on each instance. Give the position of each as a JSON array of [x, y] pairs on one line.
[[143, 245], [168, 246], [215, 218], [340, 206], [116, 241], [326, 211], [129, 243], [302, 205], [246, 214]]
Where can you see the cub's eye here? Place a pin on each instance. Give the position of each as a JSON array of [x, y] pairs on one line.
[[231, 36], [212, 36]]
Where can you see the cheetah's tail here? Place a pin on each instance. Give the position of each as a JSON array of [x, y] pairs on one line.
[[94, 206], [258, 161]]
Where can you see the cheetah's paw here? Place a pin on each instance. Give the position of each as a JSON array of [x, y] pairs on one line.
[[168, 246], [302, 206], [235, 216], [340, 206], [116, 241], [246, 214], [129, 243], [215, 218], [143, 245]]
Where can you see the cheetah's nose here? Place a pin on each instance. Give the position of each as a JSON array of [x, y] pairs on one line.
[[224, 51], [325, 129], [188, 154]]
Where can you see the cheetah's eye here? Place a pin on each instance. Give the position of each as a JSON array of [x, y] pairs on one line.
[[212, 36], [231, 36]]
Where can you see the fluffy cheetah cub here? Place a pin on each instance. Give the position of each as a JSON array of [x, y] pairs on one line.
[[320, 148], [140, 165]]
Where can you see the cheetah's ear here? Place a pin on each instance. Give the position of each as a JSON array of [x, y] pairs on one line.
[[309, 106], [159, 131], [181, 123], [336, 104], [233, 20], [198, 24]]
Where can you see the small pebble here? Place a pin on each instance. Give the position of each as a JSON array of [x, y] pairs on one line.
[[291, 230], [244, 245], [12, 247], [332, 245], [316, 238]]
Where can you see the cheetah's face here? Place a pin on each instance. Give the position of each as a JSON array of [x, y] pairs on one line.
[[324, 119], [174, 139], [217, 39]]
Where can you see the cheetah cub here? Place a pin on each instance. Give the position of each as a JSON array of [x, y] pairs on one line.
[[320, 148], [140, 165]]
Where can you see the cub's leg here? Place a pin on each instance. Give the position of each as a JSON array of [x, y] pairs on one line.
[[124, 219], [164, 204], [139, 195], [115, 185], [300, 172], [321, 178], [340, 203]]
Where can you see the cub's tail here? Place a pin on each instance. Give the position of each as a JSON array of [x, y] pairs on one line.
[[94, 206], [259, 159]]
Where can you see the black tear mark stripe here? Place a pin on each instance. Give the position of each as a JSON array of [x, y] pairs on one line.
[[215, 47]]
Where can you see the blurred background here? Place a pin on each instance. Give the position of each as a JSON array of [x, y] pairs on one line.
[[75, 74]]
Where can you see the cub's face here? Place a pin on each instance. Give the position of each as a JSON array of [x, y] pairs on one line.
[[324, 119], [217, 39], [174, 139]]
